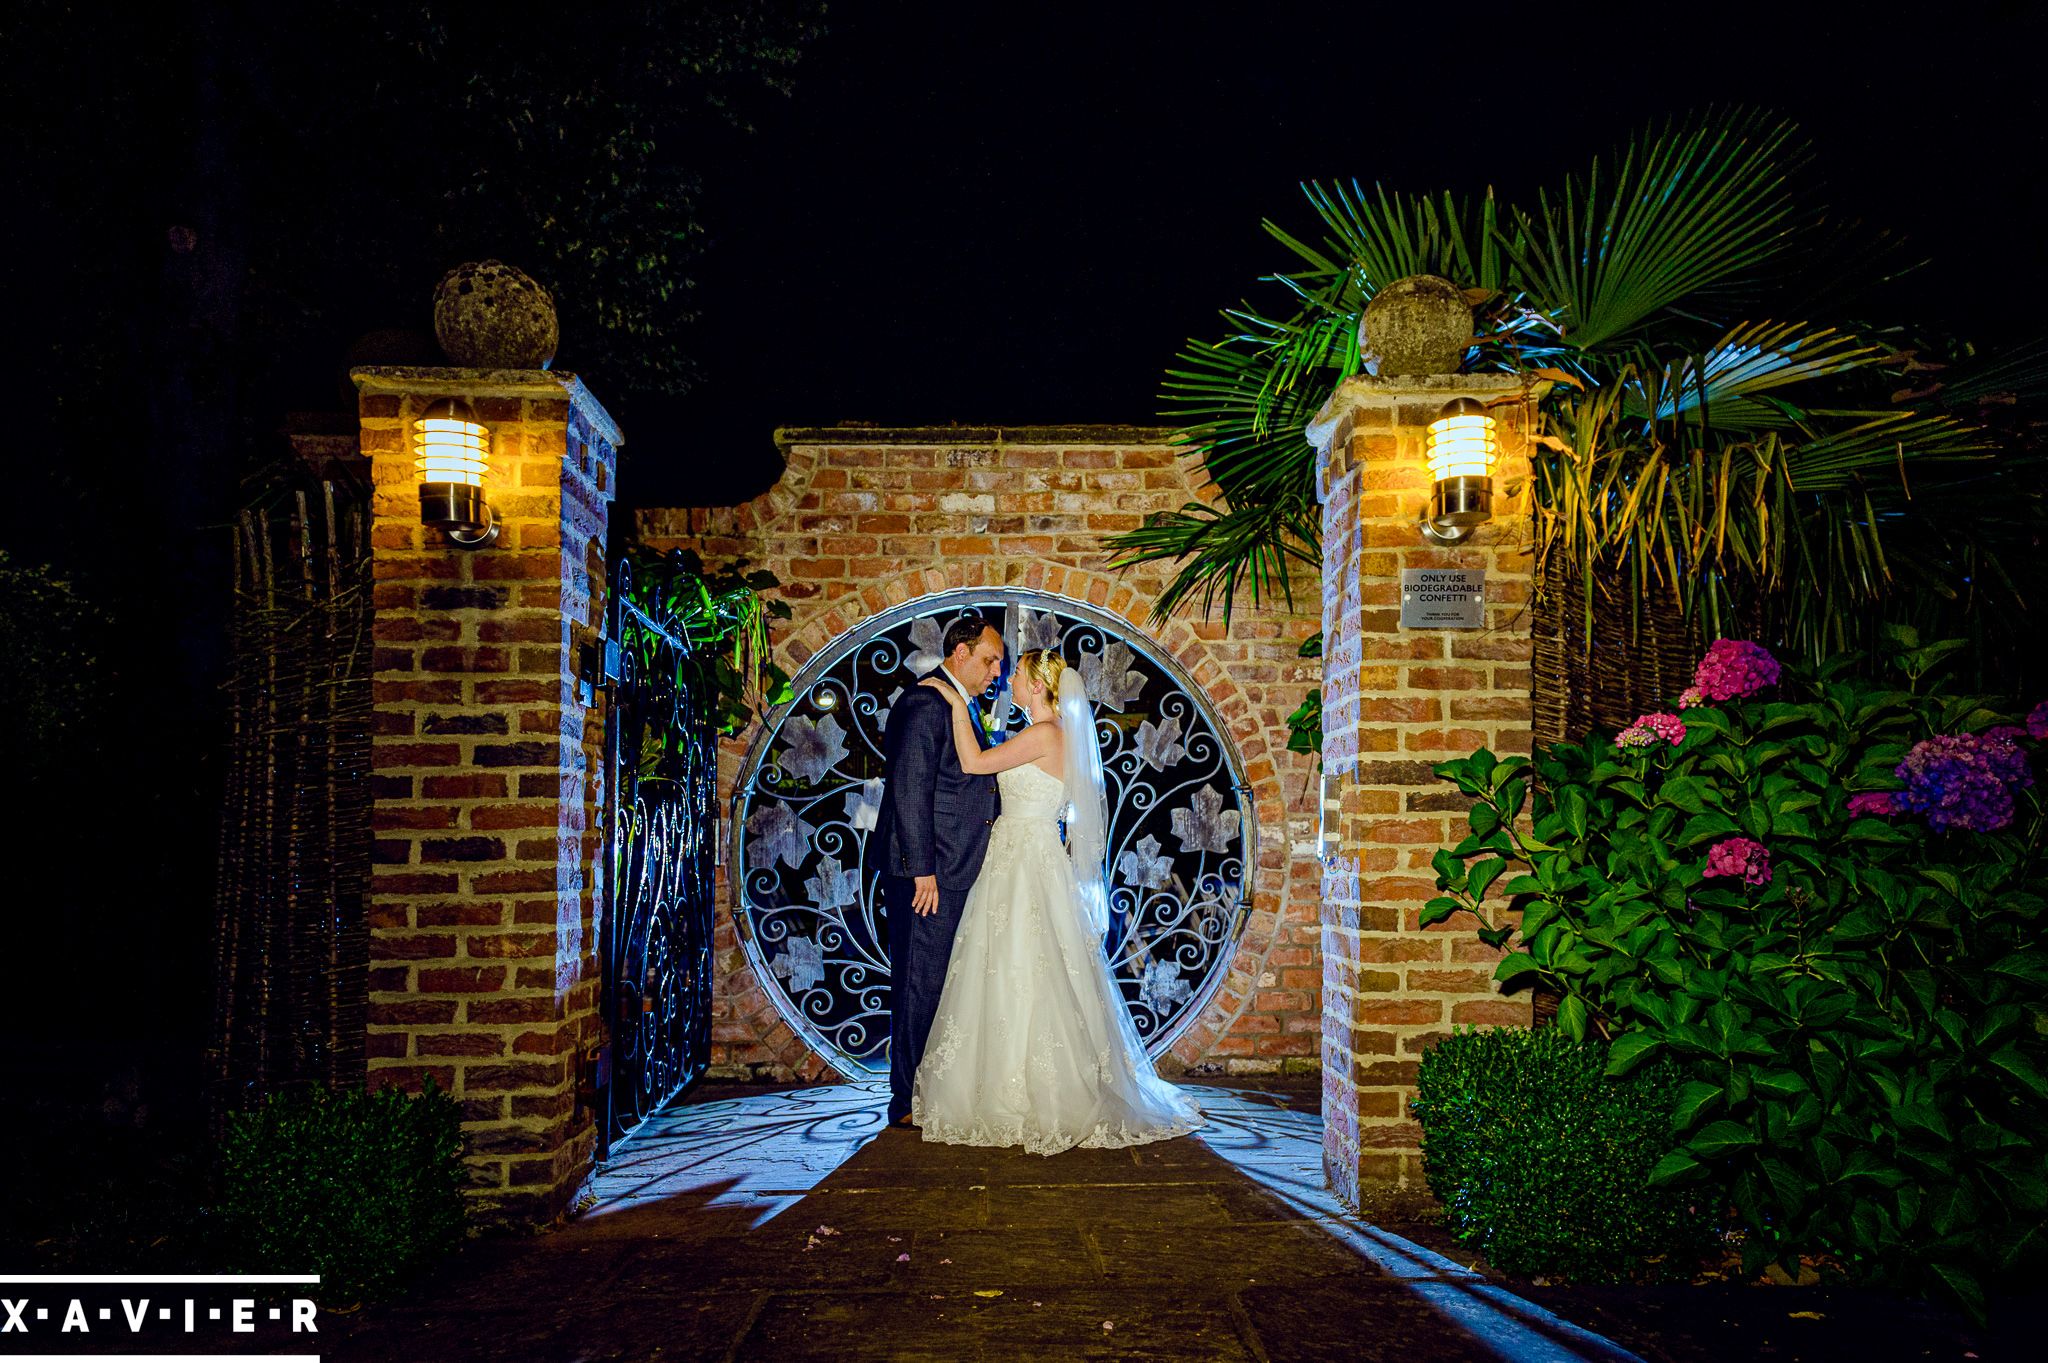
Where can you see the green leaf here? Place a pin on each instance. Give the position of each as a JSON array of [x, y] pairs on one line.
[[1514, 968], [1673, 1167], [1705, 828], [1720, 1138], [1437, 910], [1449, 868], [2028, 966], [1923, 1117], [2024, 1070], [1482, 876], [1572, 802], [1685, 793], [1787, 1186], [1693, 1100], [1571, 1017], [1631, 1049], [1963, 1286], [1779, 1083]]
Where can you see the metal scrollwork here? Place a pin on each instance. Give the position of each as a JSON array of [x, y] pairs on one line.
[[1181, 828], [661, 787]]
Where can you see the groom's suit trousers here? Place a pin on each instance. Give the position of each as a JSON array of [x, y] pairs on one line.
[[920, 948]]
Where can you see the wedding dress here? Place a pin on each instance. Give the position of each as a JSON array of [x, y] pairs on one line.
[[1032, 1044]]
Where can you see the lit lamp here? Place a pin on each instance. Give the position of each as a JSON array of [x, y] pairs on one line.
[[451, 452], [1462, 449]]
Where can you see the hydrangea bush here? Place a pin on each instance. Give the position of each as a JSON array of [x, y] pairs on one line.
[[1824, 899]]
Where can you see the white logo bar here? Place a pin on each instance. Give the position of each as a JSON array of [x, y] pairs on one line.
[[159, 1277]]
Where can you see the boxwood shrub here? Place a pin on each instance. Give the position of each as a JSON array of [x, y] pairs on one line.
[[1542, 1161], [363, 1189]]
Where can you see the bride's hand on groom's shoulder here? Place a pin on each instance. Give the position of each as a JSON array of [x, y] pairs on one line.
[[946, 693]]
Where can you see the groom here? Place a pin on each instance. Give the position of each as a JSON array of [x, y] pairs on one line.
[[930, 835]]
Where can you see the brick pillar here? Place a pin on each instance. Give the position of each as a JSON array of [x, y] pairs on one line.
[[487, 766], [1396, 701]]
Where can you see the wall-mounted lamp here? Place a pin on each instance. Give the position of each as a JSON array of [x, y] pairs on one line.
[[452, 456], [1462, 448]]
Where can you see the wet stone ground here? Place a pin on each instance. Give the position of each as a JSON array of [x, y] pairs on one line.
[[787, 1224]]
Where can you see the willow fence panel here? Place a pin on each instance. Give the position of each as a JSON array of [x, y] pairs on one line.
[[291, 931]]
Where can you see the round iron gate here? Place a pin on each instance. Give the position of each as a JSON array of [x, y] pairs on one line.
[[1182, 838]]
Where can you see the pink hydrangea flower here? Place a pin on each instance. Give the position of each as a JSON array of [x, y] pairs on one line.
[[1690, 698], [2037, 722], [1882, 804], [1650, 730], [1744, 858], [1734, 668]]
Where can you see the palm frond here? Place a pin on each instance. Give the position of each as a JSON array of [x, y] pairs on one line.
[[1224, 552], [1730, 386], [1685, 210], [1382, 236]]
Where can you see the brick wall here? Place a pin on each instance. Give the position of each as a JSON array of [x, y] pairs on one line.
[[483, 968], [1395, 702], [864, 519]]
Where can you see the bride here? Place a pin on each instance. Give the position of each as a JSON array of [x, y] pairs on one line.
[[1032, 1044]]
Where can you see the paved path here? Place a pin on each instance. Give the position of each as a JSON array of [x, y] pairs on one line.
[[788, 1225]]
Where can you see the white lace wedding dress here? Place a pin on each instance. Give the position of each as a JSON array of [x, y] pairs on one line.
[[1032, 1044]]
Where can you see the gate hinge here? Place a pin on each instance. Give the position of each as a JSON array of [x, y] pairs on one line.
[[593, 1073], [598, 665]]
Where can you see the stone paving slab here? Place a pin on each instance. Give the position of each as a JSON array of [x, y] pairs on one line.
[[789, 1224]]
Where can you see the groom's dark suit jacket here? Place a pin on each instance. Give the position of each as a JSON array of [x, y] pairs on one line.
[[934, 818]]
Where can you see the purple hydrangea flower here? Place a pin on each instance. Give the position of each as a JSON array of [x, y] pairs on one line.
[[2037, 721], [1650, 730], [1734, 668], [1744, 858], [1690, 698], [1963, 780]]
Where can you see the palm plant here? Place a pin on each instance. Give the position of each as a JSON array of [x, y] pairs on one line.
[[1723, 438]]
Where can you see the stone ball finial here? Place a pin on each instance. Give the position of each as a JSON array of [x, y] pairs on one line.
[[1417, 325], [490, 315]]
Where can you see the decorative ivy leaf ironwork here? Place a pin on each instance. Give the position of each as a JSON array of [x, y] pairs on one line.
[[801, 966], [1038, 631], [778, 834], [1177, 873], [882, 712], [1162, 987], [864, 804], [1112, 682], [1205, 825], [1159, 744], [927, 645], [813, 748], [1144, 867], [833, 887]]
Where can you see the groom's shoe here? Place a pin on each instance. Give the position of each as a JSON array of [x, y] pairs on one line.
[[904, 1123]]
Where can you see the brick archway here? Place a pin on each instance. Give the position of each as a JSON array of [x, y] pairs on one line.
[[867, 519]]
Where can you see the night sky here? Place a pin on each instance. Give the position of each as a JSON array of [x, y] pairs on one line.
[[973, 215]]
